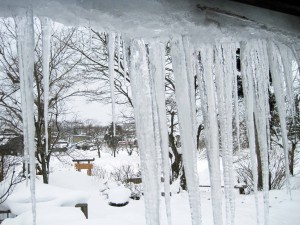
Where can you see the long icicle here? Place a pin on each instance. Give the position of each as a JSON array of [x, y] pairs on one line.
[[143, 108], [287, 58], [25, 40], [262, 114], [157, 72], [246, 72], [255, 61], [20, 45], [185, 115], [225, 72], [46, 35], [119, 50], [125, 65], [277, 73], [236, 107], [208, 105], [111, 71]]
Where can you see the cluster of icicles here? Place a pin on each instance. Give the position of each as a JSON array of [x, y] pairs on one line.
[[215, 66]]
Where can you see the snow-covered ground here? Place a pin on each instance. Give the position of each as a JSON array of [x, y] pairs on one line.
[[68, 187]]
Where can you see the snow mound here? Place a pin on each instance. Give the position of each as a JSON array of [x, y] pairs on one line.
[[119, 196], [46, 196], [74, 180], [49, 216]]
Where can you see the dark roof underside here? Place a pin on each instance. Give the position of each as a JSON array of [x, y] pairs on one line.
[[291, 7]]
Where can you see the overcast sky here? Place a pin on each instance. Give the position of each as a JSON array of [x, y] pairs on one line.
[[95, 111]]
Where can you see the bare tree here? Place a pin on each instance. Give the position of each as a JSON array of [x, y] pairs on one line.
[[65, 80]]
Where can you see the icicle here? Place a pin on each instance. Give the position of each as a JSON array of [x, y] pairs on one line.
[[25, 42], [208, 105], [46, 59], [256, 78], [262, 116], [236, 113], [20, 39], [119, 51], [111, 68], [225, 57], [190, 66], [143, 99], [246, 71], [124, 62], [277, 73], [236, 108], [287, 61], [157, 72], [186, 124], [297, 58]]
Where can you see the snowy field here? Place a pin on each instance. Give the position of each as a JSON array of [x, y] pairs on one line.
[[68, 187]]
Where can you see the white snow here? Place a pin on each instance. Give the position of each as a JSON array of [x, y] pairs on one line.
[[46, 195], [283, 210], [50, 216]]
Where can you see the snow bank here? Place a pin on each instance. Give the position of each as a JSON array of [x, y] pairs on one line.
[[49, 216], [46, 195], [74, 180]]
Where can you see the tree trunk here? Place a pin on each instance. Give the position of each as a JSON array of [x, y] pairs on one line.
[[2, 168], [200, 128], [259, 162], [44, 171], [292, 158], [177, 167]]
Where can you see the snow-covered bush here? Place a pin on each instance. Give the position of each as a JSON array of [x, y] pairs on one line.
[[136, 190], [119, 196], [276, 169], [100, 172], [124, 173]]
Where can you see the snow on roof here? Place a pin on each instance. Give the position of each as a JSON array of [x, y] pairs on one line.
[[205, 20]]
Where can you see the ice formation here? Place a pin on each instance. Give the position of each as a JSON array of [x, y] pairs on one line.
[[214, 65], [46, 35], [157, 72], [25, 42], [278, 76], [249, 95], [255, 71], [144, 118], [111, 71], [225, 69], [209, 110], [185, 100]]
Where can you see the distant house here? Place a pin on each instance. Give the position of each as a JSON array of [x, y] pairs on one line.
[[80, 138], [129, 143], [60, 146]]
